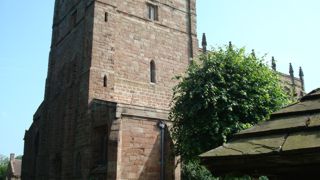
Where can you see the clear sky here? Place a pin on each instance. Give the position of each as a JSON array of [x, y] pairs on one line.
[[286, 29]]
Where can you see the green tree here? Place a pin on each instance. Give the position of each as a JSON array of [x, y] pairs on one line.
[[192, 170], [3, 166], [223, 92]]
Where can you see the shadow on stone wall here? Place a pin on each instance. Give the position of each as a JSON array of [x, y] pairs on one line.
[[152, 166]]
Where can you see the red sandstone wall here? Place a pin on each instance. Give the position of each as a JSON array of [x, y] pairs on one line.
[[122, 49], [140, 150], [124, 46]]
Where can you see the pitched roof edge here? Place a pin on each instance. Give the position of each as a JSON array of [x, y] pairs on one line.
[[301, 112], [275, 131]]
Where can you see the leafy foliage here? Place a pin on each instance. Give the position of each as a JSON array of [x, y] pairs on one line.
[[225, 92], [246, 177], [3, 166], [192, 170]]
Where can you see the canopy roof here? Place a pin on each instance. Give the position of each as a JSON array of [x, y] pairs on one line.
[[287, 143]]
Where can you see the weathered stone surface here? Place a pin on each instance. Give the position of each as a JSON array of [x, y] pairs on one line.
[[248, 146], [100, 112], [283, 123], [286, 146], [293, 86]]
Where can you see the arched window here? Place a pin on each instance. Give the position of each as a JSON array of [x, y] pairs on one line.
[[106, 17], [152, 72], [105, 80]]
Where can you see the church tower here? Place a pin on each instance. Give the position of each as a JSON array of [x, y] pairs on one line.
[[108, 90]]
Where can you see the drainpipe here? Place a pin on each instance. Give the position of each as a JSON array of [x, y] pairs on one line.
[[161, 126]]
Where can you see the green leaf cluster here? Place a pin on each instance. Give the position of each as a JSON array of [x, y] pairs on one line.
[[223, 92], [3, 166], [192, 170]]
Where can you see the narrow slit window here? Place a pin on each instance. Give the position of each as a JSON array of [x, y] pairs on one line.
[[106, 17], [152, 72], [105, 79], [153, 12]]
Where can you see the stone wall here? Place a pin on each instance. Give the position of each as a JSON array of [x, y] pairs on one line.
[[293, 90], [140, 149], [125, 41], [99, 74], [124, 46]]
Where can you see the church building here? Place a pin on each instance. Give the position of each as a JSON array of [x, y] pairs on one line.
[[108, 90]]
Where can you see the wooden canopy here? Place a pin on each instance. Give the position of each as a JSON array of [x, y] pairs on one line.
[[285, 147]]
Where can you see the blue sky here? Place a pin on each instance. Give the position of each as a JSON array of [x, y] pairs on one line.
[[286, 29]]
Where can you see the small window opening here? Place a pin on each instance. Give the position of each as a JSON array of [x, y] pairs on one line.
[[105, 79], [153, 12], [152, 72], [106, 17]]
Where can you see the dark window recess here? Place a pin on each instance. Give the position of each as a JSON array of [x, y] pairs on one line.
[[152, 72], [106, 15], [153, 12], [105, 81]]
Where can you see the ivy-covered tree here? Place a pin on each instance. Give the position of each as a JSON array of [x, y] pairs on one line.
[[223, 92]]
